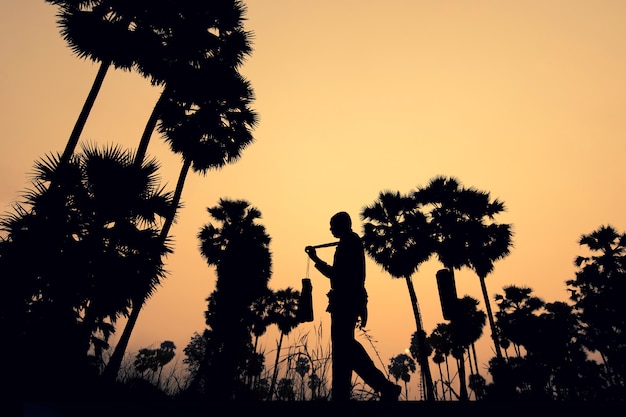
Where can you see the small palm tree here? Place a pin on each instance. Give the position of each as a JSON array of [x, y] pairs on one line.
[[466, 328], [401, 368], [284, 313], [441, 342], [154, 360], [261, 315]]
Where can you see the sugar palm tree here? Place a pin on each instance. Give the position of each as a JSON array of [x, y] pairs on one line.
[[238, 236], [284, 313], [208, 123], [397, 237], [446, 210], [238, 248], [123, 200], [597, 292], [441, 342], [516, 317], [260, 312], [467, 235], [202, 46], [95, 226], [109, 32], [209, 137], [401, 368], [156, 38], [466, 327], [203, 111], [488, 243]]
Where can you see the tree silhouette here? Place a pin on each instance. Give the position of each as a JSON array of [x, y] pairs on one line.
[[463, 223], [95, 237], [516, 317], [203, 111], [284, 313], [303, 367], [465, 328], [195, 352], [441, 342], [573, 376], [155, 359], [397, 237], [261, 315], [401, 367], [490, 242], [554, 364], [597, 292], [105, 31], [238, 247], [179, 45]]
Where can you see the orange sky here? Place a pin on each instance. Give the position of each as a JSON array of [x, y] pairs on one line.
[[524, 99]]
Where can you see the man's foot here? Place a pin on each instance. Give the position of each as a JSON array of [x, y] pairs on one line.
[[391, 393]]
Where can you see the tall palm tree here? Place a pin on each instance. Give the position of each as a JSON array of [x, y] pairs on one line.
[[442, 200], [196, 61], [156, 38], [397, 237], [105, 31], [203, 111], [490, 243], [467, 236], [209, 129]]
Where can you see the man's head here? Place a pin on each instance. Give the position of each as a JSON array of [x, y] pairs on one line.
[[340, 224]]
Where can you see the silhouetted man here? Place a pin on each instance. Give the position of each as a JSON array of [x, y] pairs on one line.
[[347, 303]]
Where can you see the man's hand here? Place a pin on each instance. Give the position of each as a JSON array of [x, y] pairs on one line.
[[310, 250]]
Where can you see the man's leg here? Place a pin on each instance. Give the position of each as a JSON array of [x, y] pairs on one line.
[[341, 334], [371, 375]]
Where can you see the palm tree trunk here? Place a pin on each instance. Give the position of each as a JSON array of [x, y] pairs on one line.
[[475, 359], [275, 374], [178, 193], [84, 114], [423, 359], [492, 324], [462, 379], [142, 149], [478, 393], [449, 382], [112, 368], [109, 375], [443, 387]]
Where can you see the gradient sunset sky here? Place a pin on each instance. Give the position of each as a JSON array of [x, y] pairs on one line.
[[523, 99]]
